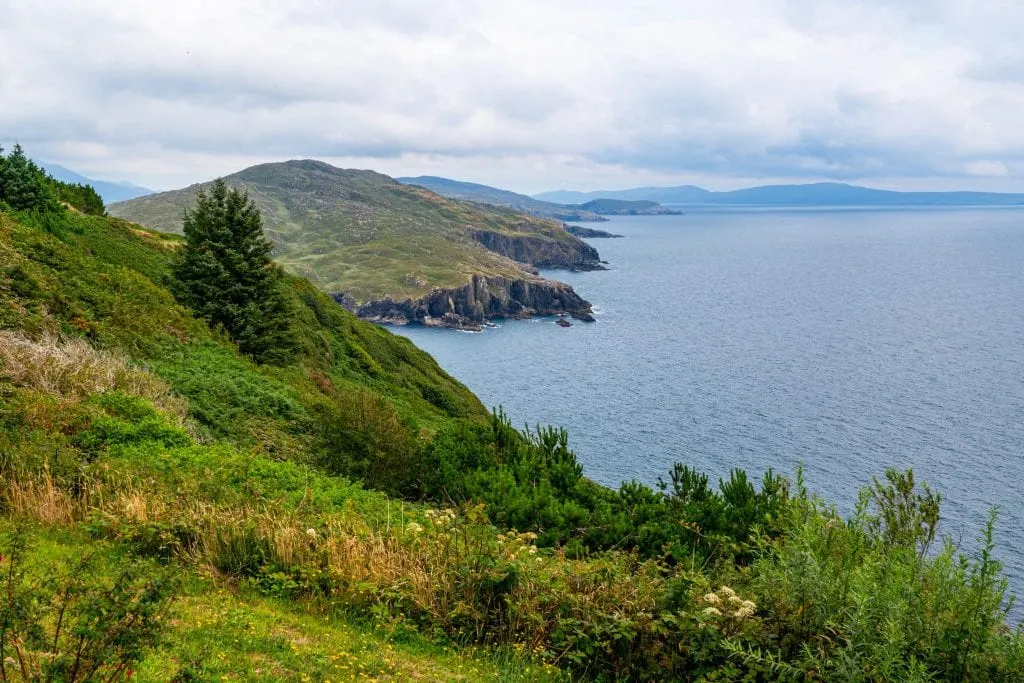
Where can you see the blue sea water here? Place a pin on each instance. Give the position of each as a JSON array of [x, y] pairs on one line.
[[845, 340]]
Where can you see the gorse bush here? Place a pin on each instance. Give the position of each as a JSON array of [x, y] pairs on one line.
[[75, 624]]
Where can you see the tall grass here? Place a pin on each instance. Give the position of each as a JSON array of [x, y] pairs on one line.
[[74, 369]]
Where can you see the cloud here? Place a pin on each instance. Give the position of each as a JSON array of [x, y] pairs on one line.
[[531, 94]]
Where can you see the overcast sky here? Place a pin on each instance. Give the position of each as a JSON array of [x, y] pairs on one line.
[[525, 94]]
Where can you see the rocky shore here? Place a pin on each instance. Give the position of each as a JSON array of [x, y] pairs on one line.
[[470, 306]]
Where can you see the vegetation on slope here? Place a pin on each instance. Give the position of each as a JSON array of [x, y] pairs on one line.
[[131, 430], [362, 233]]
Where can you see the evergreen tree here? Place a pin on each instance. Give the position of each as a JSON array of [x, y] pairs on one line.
[[23, 185], [226, 275], [85, 198]]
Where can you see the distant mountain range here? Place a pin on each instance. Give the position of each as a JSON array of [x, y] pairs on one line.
[[485, 194], [814, 194], [110, 191]]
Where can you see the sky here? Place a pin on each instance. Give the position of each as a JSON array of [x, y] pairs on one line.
[[528, 95]]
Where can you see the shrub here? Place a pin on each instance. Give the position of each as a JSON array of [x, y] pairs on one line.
[[75, 625]]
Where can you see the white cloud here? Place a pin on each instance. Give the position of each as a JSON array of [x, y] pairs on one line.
[[532, 94]]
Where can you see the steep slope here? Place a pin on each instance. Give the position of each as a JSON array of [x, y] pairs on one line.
[[107, 384], [365, 239], [485, 194]]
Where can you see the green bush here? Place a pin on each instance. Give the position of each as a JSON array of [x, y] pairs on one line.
[[79, 623]]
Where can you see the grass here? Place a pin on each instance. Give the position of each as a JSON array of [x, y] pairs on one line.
[[215, 630]]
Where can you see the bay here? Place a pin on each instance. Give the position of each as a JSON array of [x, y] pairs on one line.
[[845, 340]]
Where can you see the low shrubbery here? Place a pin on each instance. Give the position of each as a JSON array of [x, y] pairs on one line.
[[531, 481], [819, 596], [75, 623]]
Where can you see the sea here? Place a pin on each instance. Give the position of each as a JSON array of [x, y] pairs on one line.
[[843, 340]]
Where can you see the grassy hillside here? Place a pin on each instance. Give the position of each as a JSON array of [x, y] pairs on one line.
[[170, 510], [360, 232], [108, 385]]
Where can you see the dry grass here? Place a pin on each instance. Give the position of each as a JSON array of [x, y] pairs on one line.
[[73, 368], [38, 498]]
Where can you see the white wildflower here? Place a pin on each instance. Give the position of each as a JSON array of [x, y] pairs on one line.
[[745, 611], [711, 612], [712, 599], [726, 592], [311, 533]]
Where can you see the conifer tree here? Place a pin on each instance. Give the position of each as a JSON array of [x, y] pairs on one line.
[[23, 185], [225, 274]]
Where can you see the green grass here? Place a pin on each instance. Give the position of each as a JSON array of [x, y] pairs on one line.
[[108, 283], [216, 630]]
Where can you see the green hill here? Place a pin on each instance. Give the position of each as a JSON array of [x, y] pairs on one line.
[[622, 207], [484, 194], [366, 239], [172, 511]]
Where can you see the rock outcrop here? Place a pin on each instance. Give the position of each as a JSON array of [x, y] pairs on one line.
[[540, 251], [588, 233], [469, 306]]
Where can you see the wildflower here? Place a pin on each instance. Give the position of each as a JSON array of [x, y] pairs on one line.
[[735, 601], [414, 528], [533, 550], [311, 533], [711, 612], [712, 599], [726, 591], [745, 610]]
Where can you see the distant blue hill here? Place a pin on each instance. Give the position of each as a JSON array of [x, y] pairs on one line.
[[814, 194], [485, 194], [110, 191]]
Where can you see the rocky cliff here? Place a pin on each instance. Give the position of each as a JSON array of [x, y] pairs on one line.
[[540, 250], [469, 306]]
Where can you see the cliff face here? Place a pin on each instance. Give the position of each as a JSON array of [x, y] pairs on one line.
[[467, 307], [540, 251]]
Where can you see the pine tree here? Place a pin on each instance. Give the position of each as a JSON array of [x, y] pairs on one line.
[[23, 185], [225, 274]]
